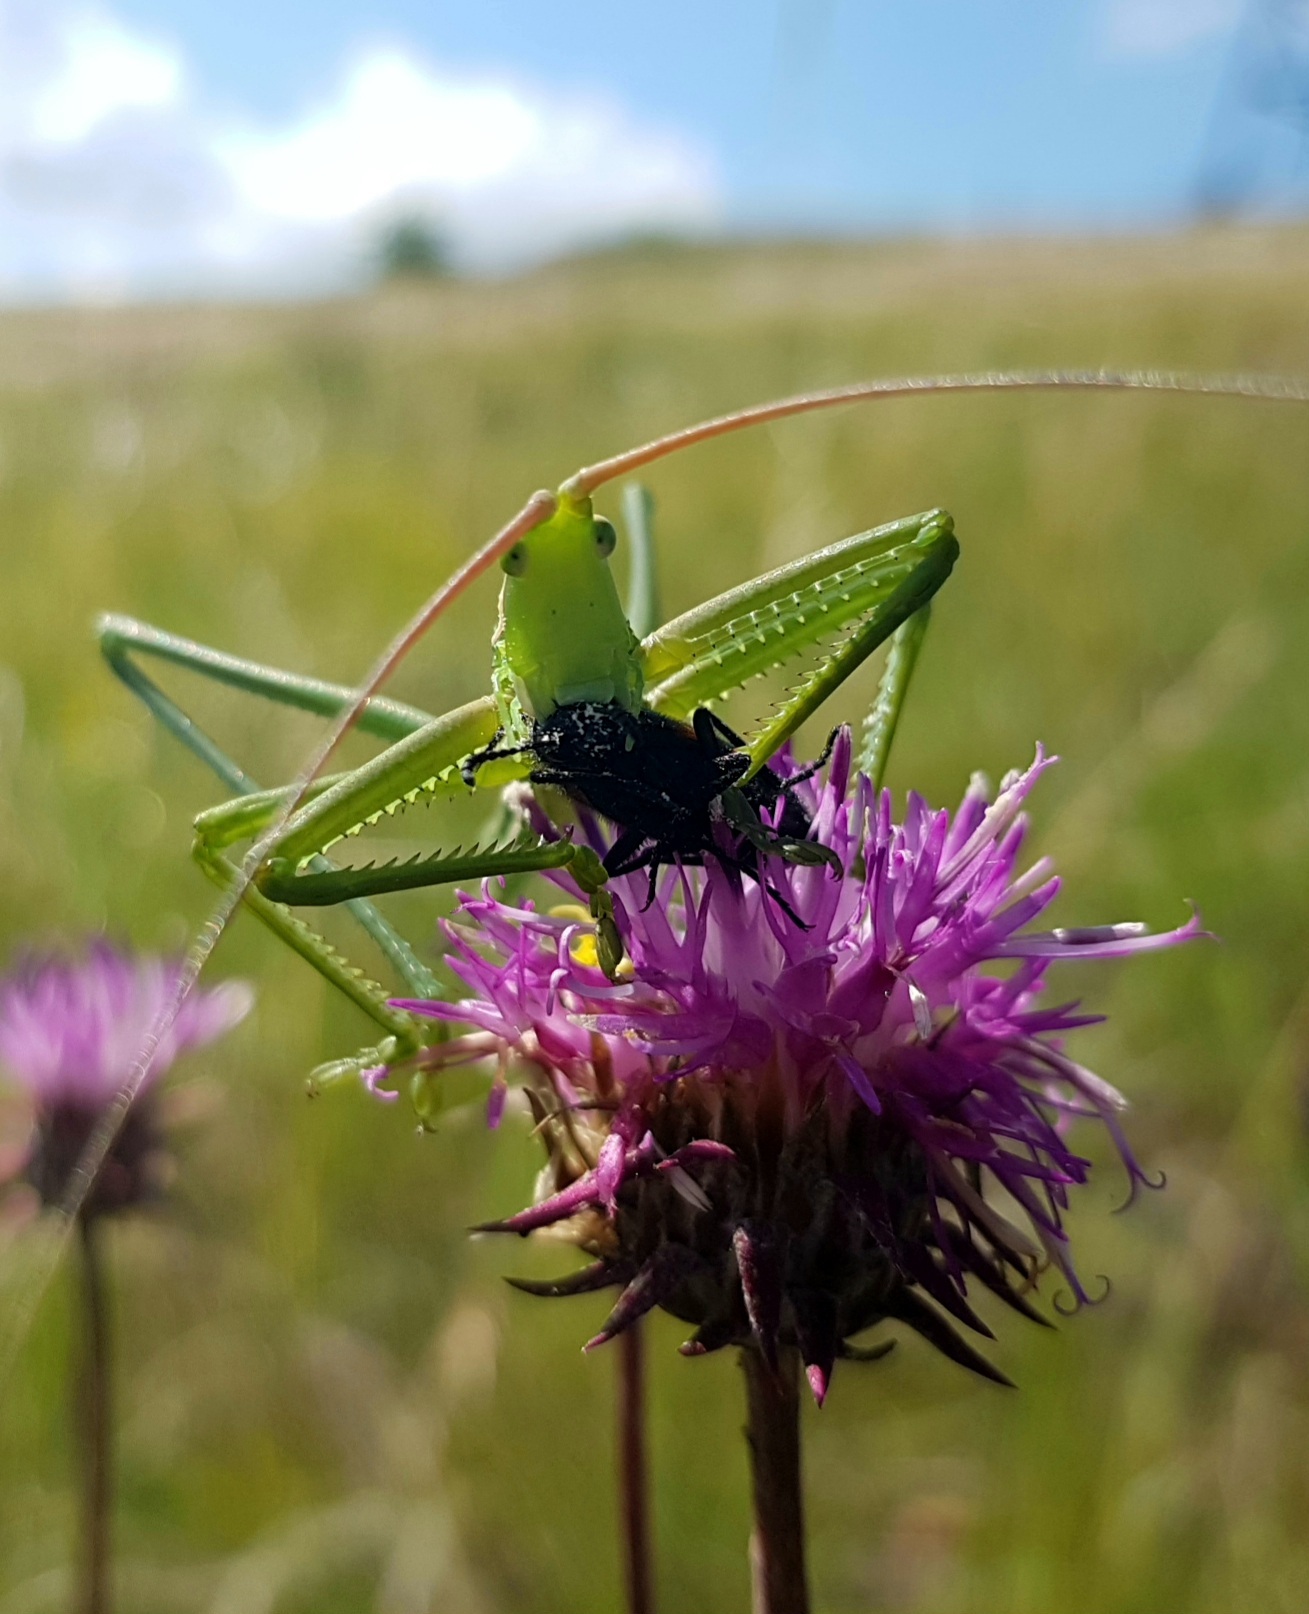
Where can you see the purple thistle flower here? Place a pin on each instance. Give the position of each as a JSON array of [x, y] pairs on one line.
[[786, 1133], [69, 1033]]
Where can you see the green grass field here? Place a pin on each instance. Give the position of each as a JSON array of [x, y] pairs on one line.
[[329, 1400]]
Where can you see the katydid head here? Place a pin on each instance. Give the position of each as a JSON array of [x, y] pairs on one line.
[[563, 637]]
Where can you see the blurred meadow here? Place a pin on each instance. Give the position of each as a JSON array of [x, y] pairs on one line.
[[329, 1400]]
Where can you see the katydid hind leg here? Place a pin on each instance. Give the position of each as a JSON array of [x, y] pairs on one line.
[[175, 720], [418, 979], [884, 715], [123, 641], [912, 593], [794, 613]]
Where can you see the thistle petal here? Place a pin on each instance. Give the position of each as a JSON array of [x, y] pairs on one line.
[[787, 1119]]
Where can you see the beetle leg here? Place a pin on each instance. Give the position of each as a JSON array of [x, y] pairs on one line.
[[623, 857], [814, 767]]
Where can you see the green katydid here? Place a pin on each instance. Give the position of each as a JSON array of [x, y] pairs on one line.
[[565, 646], [553, 679]]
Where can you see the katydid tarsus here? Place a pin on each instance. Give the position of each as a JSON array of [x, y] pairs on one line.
[[870, 589]]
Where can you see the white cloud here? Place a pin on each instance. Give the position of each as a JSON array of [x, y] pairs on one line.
[[510, 166], [104, 69], [117, 176], [395, 125], [1144, 28]]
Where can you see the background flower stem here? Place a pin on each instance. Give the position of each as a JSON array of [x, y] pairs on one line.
[[633, 1473], [94, 1424], [777, 1547]]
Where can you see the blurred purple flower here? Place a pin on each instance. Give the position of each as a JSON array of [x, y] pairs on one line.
[[786, 1133], [70, 1030]]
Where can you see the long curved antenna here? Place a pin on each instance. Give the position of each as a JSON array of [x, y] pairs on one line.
[[537, 509], [1272, 389]]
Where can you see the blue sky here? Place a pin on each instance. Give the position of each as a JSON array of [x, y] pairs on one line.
[[854, 111], [167, 143]]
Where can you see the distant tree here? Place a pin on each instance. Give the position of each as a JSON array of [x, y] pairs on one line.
[[412, 249]]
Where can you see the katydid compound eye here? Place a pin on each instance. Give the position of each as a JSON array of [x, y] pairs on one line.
[[515, 561], [605, 536]]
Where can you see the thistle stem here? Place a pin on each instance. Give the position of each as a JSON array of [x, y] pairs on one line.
[[94, 1424], [777, 1547], [633, 1472]]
